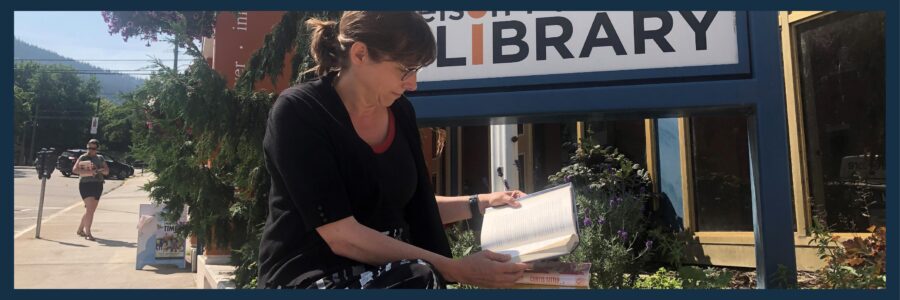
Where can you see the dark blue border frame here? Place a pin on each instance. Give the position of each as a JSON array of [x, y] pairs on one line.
[[742, 67]]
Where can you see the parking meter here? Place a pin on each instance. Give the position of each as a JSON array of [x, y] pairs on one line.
[[44, 164]]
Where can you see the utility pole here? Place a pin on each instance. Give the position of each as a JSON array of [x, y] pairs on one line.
[[33, 130], [97, 115], [175, 64]]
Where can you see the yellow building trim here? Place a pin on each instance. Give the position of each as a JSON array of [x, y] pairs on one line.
[[795, 129], [737, 249], [803, 16], [652, 154], [579, 132], [527, 142], [687, 184], [459, 159], [744, 256], [445, 155], [746, 237]]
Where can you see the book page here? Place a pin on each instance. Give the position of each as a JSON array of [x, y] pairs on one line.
[[540, 250], [545, 220], [84, 168]]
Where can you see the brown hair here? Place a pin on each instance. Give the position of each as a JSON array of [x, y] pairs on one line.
[[96, 142], [401, 36]]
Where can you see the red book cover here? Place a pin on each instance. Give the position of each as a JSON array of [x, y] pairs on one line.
[[554, 273]]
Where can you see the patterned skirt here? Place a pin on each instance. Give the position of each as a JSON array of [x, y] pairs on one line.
[[402, 274]]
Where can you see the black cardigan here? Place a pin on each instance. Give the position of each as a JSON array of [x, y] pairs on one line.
[[321, 172]]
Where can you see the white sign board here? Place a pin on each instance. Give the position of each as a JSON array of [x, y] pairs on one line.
[[157, 242], [494, 44], [94, 122]]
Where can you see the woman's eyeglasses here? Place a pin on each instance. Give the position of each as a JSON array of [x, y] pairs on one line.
[[92, 148], [408, 71]]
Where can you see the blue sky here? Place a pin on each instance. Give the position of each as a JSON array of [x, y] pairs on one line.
[[84, 36]]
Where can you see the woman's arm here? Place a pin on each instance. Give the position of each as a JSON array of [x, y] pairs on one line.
[[348, 238], [75, 169], [105, 168], [453, 209]]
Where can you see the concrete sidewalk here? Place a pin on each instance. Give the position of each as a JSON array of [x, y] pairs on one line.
[[61, 259]]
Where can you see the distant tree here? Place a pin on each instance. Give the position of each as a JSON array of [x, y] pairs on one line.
[[62, 102], [21, 115], [183, 26], [115, 127]]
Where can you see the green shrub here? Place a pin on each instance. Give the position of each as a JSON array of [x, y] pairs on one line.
[[709, 278], [612, 193], [662, 279], [462, 242], [688, 277], [852, 264]]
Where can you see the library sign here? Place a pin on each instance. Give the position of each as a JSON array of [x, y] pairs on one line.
[[497, 44]]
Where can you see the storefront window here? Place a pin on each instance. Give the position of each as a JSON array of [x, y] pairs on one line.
[[476, 159], [841, 59], [625, 135], [721, 168], [553, 145]]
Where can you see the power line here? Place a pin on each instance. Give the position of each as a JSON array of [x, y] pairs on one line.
[[147, 69], [99, 70], [70, 118], [120, 74], [62, 59]]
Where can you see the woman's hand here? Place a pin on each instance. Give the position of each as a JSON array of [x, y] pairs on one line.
[[486, 269], [500, 199]]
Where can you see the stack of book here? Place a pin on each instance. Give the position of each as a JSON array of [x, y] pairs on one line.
[[556, 275]]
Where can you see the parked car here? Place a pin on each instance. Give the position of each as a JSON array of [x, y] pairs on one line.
[[67, 158]]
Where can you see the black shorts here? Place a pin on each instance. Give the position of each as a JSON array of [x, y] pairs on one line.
[[90, 189]]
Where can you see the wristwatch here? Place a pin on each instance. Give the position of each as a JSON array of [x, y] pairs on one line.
[[473, 206]]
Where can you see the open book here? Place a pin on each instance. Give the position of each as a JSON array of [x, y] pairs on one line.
[[544, 227], [84, 167]]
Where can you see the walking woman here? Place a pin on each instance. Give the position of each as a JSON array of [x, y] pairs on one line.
[[92, 168], [351, 204]]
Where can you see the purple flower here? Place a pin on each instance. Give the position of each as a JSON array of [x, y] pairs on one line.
[[601, 221], [587, 222], [569, 178], [648, 244], [623, 234]]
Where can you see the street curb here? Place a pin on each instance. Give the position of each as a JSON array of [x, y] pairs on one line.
[[45, 220]]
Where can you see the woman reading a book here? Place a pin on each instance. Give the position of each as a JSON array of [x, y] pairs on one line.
[[351, 204], [91, 167]]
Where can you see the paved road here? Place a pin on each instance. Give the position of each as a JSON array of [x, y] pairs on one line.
[[61, 193], [62, 260]]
